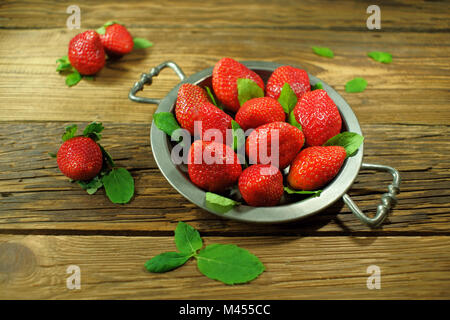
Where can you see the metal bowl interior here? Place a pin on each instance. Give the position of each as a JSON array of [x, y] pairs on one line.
[[177, 177]]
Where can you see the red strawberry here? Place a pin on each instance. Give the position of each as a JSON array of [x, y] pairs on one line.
[[80, 158], [315, 166], [189, 96], [213, 166], [319, 117], [86, 53], [210, 117], [116, 40], [224, 81], [261, 185], [290, 141], [297, 78], [259, 111]]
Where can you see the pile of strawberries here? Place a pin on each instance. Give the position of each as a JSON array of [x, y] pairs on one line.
[[302, 132]]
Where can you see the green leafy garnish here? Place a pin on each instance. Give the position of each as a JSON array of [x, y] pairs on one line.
[[109, 160], [52, 154], [227, 263], [102, 29], [316, 193], [93, 131], [317, 86], [293, 121], [119, 185], [356, 85], [91, 186], [73, 78], [287, 98], [238, 135], [166, 122], [140, 43], [212, 99], [63, 64], [248, 89], [380, 56], [70, 132], [219, 203], [350, 141], [323, 52]]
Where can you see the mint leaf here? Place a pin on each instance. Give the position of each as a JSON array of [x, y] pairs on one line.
[[91, 186], [102, 29], [238, 135], [109, 160], [356, 85], [166, 261], [228, 263], [140, 43], [63, 64], [52, 154], [166, 122], [317, 86], [187, 239], [70, 132], [287, 98], [293, 121], [218, 203], [380, 56], [119, 185], [93, 131], [323, 52], [91, 78], [350, 141], [73, 78], [212, 99], [292, 191], [248, 89]]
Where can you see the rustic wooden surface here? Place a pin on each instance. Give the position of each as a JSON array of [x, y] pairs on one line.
[[47, 223]]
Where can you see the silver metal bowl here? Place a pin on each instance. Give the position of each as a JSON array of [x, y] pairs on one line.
[[335, 190]]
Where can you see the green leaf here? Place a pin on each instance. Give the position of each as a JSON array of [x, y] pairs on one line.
[[380, 56], [219, 203], [292, 191], [187, 239], [287, 98], [238, 135], [211, 97], [91, 78], [73, 78], [166, 122], [91, 186], [119, 185], [63, 64], [140, 43], [93, 131], [323, 52], [102, 29], [70, 132], [317, 86], [350, 141], [248, 89], [166, 261], [356, 85], [229, 263], [293, 121], [107, 156], [52, 154]]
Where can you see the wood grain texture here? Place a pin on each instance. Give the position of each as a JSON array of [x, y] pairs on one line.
[[296, 268]]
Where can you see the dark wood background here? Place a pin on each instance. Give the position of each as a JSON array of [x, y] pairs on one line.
[[47, 223]]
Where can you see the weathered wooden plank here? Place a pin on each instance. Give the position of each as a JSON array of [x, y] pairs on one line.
[[296, 268], [34, 195]]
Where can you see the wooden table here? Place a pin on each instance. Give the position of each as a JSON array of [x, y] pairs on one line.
[[48, 224]]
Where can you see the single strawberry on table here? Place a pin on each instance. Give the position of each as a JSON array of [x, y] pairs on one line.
[[261, 185], [259, 143], [297, 79], [225, 76], [319, 117], [86, 53], [116, 39], [258, 111], [315, 166]]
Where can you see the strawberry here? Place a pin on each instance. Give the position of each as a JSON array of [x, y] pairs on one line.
[[193, 105], [80, 158], [290, 141], [213, 166], [297, 78], [261, 185], [315, 166], [319, 117], [86, 53], [259, 111], [224, 81], [116, 39]]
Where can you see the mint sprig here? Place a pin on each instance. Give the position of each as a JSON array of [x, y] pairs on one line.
[[227, 263], [287, 98], [238, 135], [323, 52], [218, 203], [350, 141], [356, 85], [248, 89], [141, 43], [380, 56]]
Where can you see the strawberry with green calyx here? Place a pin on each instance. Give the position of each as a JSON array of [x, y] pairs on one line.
[[258, 111], [297, 79], [82, 159], [117, 40]]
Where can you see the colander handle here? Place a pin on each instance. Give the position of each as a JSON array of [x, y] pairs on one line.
[[147, 78], [387, 199]]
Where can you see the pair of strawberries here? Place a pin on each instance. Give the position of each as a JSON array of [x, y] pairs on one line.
[[261, 184]]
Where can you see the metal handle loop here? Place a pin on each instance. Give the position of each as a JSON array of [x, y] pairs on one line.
[[387, 199], [147, 78]]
